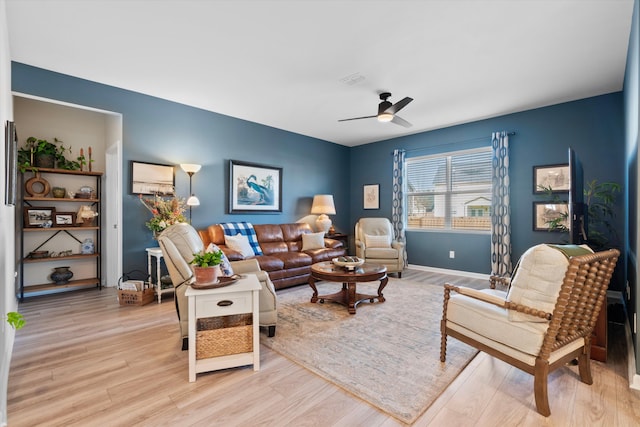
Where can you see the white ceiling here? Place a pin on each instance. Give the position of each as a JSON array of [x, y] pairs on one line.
[[302, 65]]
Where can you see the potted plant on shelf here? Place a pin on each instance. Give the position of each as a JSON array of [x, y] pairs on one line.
[[40, 153], [207, 266]]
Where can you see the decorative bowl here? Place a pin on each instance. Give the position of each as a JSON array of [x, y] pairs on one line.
[[350, 263]]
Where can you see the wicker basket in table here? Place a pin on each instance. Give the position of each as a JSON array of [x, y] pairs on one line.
[[224, 335]]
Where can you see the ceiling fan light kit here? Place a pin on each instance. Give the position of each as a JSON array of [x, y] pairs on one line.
[[387, 111]]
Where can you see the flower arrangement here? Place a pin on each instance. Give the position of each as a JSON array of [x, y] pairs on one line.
[[165, 212]]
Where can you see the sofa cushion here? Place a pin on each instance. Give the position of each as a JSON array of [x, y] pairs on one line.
[[225, 266], [537, 280], [294, 259], [239, 243], [375, 241], [493, 322], [381, 253], [312, 241], [270, 263]]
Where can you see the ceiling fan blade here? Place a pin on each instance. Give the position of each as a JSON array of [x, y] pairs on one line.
[[400, 121], [357, 118], [398, 105]]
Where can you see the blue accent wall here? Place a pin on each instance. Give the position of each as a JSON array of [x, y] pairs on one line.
[[593, 127], [161, 131]]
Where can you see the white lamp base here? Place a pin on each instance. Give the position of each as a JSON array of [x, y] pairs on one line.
[[323, 223]]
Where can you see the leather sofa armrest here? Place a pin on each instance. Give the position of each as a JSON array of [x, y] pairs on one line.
[[332, 243], [232, 255]]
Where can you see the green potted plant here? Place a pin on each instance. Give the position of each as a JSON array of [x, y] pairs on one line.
[[40, 153], [206, 266]]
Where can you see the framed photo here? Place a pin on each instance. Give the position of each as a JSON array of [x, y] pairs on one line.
[[64, 219], [152, 178], [38, 217], [11, 159], [371, 196], [545, 214], [552, 177], [254, 188]]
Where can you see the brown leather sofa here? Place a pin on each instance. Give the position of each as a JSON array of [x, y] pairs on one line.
[[283, 258]]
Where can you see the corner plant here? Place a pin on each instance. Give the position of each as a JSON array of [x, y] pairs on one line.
[[15, 319], [599, 199], [207, 259]]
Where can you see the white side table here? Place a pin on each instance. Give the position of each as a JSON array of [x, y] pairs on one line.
[[157, 284], [238, 298]]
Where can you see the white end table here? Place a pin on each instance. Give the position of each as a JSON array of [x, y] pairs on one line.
[[157, 284], [238, 298]]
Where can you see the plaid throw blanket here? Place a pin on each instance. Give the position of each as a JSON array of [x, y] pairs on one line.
[[246, 229]]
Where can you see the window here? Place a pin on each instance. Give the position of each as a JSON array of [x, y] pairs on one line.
[[450, 191]]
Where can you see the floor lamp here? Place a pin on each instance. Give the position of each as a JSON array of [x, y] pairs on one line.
[[191, 169]]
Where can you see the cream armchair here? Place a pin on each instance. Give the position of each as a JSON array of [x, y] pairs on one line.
[[544, 321], [178, 244], [375, 243]]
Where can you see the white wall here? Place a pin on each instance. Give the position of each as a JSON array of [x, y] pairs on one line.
[[8, 300]]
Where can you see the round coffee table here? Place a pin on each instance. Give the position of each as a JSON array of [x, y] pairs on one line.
[[347, 295]]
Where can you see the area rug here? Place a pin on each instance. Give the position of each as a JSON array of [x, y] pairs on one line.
[[387, 354]]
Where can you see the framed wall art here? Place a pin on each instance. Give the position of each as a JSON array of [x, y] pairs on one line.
[[64, 219], [371, 196], [254, 188], [38, 217], [152, 178], [552, 177], [550, 216]]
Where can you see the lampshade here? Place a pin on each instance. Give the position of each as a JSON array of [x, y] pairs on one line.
[[190, 168], [385, 117], [193, 201], [323, 204]]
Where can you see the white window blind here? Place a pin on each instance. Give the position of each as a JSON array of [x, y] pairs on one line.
[[450, 191]]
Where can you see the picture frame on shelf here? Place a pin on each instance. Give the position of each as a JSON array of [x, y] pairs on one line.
[[254, 188], [38, 217], [152, 178], [544, 213], [554, 178], [64, 219], [371, 195]]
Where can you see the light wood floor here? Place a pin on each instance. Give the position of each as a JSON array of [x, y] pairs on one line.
[[82, 360]]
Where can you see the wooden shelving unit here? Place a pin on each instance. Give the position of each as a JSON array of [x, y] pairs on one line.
[[91, 178]]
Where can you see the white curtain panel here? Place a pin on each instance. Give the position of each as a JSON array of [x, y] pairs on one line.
[[501, 212]]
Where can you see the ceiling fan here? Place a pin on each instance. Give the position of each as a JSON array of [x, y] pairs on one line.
[[387, 111]]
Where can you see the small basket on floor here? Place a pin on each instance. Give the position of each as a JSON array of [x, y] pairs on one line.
[[224, 335], [143, 297]]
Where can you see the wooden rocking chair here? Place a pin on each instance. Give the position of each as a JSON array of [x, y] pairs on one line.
[[532, 335]]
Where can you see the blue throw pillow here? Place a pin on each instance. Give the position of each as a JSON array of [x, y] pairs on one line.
[[246, 229], [225, 266]]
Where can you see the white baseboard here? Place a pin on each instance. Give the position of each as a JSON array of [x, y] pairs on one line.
[[447, 271]]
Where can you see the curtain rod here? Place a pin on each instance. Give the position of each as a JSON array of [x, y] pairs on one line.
[[455, 142]]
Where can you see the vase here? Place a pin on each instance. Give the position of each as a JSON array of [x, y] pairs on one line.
[[206, 275], [59, 192], [61, 275], [45, 160]]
